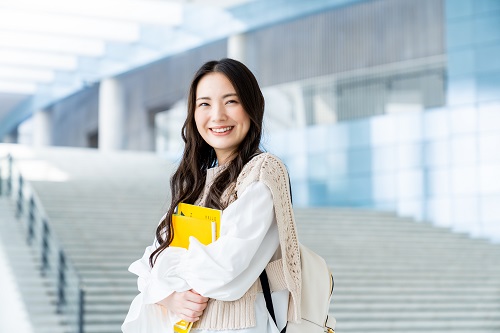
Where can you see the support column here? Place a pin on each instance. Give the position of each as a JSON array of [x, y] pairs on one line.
[[42, 128], [236, 47], [111, 115], [11, 137]]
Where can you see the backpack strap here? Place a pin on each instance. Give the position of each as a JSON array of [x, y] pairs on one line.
[[267, 296]]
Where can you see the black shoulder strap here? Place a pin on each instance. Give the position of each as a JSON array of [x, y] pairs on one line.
[[267, 296]]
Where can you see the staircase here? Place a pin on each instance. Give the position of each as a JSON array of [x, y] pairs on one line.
[[105, 215], [395, 275], [39, 300], [104, 208], [391, 273]]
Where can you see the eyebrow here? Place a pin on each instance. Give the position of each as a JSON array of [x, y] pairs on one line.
[[225, 96]]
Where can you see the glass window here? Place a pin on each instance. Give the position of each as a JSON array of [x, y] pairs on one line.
[[485, 6], [487, 28], [488, 86], [462, 62], [439, 211], [359, 133], [384, 158], [465, 212], [489, 148], [409, 156], [459, 8], [436, 124], [384, 187], [383, 130], [488, 58], [360, 190], [437, 182], [463, 120], [460, 33], [489, 117], [461, 89], [490, 210], [464, 150], [360, 161], [409, 127], [437, 153], [410, 184], [489, 179], [464, 181]]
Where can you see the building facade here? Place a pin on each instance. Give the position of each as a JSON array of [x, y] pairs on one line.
[[386, 104]]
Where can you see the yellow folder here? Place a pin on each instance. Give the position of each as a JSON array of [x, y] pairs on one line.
[[203, 224], [201, 213], [185, 226]]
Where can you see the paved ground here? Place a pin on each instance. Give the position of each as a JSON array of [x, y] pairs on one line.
[[13, 315]]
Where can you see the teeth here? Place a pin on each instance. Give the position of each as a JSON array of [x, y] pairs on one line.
[[221, 130]]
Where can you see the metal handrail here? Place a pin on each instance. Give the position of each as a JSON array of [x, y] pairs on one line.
[[55, 265]]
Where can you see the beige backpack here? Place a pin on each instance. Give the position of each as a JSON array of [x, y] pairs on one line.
[[317, 289]]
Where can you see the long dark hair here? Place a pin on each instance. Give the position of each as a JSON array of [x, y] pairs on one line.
[[188, 181]]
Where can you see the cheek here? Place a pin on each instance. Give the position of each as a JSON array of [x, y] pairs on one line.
[[198, 119], [247, 123]]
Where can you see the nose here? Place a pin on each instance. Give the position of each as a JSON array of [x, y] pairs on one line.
[[219, 112]]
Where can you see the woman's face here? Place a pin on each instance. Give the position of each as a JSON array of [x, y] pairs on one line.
[[220, 118]]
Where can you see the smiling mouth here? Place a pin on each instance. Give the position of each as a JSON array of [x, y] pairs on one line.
[[222, 130]]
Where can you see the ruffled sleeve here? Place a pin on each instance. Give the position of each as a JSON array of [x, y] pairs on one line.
[[223, 270], [227, 268]]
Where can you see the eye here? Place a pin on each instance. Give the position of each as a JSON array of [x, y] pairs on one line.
[[202, 104], [231, 101]]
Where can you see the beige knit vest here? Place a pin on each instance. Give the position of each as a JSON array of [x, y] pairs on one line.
[[284, 273]]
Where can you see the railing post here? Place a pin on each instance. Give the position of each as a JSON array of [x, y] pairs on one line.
[[19, 210], [70, 293], [81, 310], [9, 175], [45, 247], [61, 283], [1, 180], [31, 221]]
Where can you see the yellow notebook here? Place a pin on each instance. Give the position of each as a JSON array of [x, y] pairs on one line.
[[184, 227], [203, 224], [201, 213]]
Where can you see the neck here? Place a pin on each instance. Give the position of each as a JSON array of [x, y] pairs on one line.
[[226, 159]]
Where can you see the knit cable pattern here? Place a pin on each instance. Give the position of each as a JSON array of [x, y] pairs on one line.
[[272, 172]]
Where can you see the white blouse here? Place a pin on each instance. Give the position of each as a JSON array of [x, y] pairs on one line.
[[223, 270]]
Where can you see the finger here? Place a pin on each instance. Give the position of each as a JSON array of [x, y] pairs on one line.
[[188, 319], [189, 316], [195, 297], [199, 307], [195, 292]]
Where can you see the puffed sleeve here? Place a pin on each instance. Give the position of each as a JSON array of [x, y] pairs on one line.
[[224, 269], [227, 268]]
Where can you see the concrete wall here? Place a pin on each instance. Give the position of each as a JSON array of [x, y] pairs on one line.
[[364, 35], [148, 90]]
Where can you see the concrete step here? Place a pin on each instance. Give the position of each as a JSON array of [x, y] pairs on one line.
[[421, 307], [421, 315], [34, 288], [392, 274], [418, 326]]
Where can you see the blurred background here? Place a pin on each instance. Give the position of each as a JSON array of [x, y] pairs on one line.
[[386, 113]]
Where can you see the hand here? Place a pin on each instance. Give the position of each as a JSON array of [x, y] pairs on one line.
[[187, 305]]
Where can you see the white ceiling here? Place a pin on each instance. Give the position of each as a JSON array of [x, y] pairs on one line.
[[51, 48]]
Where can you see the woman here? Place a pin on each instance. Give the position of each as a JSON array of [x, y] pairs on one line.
[[217, 286]]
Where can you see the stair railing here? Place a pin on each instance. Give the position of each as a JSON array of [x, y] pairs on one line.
[[55, 266]]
